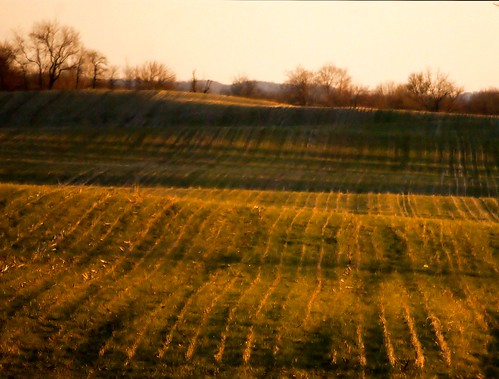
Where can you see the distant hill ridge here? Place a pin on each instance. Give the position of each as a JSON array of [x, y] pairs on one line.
[[220, 88], [157, 108]]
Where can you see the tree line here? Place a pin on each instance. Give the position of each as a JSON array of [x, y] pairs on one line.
[[332, 86], [52, 55]]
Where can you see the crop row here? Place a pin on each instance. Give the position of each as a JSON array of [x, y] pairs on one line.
[[426, 159], [110, 282]]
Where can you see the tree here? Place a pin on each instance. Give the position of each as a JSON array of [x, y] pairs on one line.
[[242, 86], [131, 75], [26, 56], [8, 75], [51, 48], [113, 71], [389, 95], [155, 75], [357, 93], [432, 90], [333, 82], [298, 85], [207, 85], [484, 102], [194, 82], [98, 63], [81, 62]]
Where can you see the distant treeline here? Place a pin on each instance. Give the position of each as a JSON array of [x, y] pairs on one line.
[[52, 56]]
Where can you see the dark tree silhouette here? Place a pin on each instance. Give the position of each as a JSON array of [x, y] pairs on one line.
[[432, 90]]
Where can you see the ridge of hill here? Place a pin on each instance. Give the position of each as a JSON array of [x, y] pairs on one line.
[[152, 138], [265, 87], [166, 108]]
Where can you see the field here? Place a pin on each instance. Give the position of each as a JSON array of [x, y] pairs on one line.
[[148, 234]]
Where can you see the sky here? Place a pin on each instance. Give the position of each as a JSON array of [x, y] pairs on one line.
[[376, 42]]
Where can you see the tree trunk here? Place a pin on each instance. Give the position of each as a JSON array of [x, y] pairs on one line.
[[94, 80], [40, 79]]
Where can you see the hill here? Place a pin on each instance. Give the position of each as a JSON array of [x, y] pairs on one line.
[[164, 234], [267, 88], [187, 282], [214, 141]]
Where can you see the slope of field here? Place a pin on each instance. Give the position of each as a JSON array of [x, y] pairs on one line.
[[198, 282], [193, 282], [159, 234], [155, 139]]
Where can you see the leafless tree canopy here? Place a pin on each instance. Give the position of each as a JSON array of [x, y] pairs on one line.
[[432, 90], [298, 85], [150, 75], [7, 57], [207, 85], [194, 82], [242, 86], [52, 55], [113, 72], [98, 65], [50, 48], [155, 75], [333, 82], [81, 63]]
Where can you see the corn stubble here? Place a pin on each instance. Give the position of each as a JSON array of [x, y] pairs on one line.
[[349, 243]]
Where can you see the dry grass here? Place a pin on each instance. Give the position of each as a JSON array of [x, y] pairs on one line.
[[234, 239], [171, 295]]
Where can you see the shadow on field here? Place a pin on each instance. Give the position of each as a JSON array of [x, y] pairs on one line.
[[490, 361], [155, 138], [314, 352], [87, 354]]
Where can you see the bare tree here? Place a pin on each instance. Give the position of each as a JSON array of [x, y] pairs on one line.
[[113, 71], [242, 86], [298, 85], [22, 64], [432, 90], [333, 82], [7, 72], [27, 56], [484, 102], [194, 82], [389, 95], [207, 85], [357, 92], [81, 62], [131, 75], [154, 75], [98, 63], [51, 48], [58, 47]]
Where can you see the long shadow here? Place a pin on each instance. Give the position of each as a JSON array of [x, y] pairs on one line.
[[22, 300], [490, 360], [32, 176], [87, 353]]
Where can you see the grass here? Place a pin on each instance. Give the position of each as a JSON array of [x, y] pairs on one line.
[[313, 150], [213, 236], [178, 282]]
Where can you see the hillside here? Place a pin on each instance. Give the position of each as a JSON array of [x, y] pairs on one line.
[[161, 234], [266, 88], [195, 140], [192, 282]]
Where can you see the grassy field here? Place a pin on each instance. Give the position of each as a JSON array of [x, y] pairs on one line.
[[165, 235], [92, 138]]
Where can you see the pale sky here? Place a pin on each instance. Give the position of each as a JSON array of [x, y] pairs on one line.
[[375, 41]]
